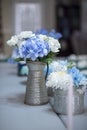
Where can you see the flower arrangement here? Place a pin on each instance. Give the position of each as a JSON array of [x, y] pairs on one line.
[[63, 73], [34, 46]]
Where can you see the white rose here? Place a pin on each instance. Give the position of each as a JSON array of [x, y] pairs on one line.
[[26, 34], [54, 44], [43, 37], [13, 41]]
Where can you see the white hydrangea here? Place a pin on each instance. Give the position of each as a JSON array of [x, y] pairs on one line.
[[56, 66], [59, 80], [25, 35], [13, 41], [54, 44]]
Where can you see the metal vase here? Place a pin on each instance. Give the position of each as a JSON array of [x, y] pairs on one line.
[[36, 93], [61, 102]]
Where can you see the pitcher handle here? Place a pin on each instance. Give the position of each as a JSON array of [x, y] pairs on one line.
[[47, 71]]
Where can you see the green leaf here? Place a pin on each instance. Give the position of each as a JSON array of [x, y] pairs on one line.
[[19, 59]]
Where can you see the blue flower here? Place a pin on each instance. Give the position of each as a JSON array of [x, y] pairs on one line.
[[34, 47], [76, 75], [42, 31], [54, 34], [11, 61]]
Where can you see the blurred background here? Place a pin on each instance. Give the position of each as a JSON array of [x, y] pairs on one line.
[[68, 17]]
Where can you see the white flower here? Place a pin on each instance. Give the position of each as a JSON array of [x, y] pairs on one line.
[[43, 37], [56, 66], [25, 35], [54, 44], [60, 80], [13, 41], [52, 80]]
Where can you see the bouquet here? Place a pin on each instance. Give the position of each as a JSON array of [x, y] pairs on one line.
[[30, 46], [63, 73]]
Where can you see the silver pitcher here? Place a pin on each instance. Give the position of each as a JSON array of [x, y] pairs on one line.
[[36, 92]]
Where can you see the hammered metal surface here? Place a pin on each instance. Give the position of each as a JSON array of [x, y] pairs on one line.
[[61, 102], [36, 93]]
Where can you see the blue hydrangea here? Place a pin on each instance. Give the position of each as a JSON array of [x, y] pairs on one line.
[[76, 75], [52, 33], [11, 60], [42, 31], [34, 47]]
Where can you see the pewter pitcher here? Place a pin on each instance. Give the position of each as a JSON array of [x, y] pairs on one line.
[[36, 93], [61, 102]]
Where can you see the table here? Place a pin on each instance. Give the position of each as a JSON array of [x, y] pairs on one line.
[[14, 114]]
